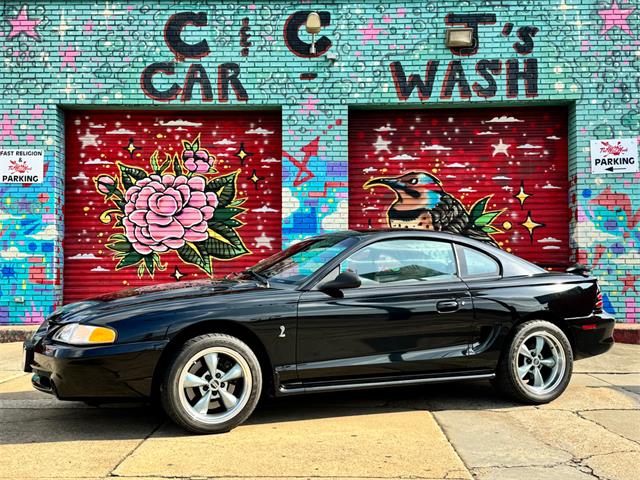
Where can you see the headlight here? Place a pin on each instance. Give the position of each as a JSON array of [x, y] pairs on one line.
[[77, 334]]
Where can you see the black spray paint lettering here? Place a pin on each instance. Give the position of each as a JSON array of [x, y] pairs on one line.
[[146, 81], [172, 35], [244, 37], [228, 74], [525, 34], [292, 34], [487, 69], [405, 87], [197, 74], [455, 76], [529, 74]]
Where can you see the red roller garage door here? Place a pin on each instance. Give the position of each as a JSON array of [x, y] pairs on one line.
[[498, 175], [154, 198]]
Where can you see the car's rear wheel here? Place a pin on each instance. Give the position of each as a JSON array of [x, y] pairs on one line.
[[212, 384], [538, 364]]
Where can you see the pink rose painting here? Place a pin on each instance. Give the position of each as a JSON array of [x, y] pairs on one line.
[[164, 213], [198, 162], [176, 208]]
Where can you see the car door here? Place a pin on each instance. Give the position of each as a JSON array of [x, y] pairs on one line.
[[411, 315]]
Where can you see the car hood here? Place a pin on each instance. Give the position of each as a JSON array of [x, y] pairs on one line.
[[125, 299]]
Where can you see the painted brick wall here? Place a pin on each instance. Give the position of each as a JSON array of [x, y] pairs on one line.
[[58, 55]]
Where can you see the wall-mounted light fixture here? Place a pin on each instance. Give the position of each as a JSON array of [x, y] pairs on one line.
[[313, 28], [459, 37]]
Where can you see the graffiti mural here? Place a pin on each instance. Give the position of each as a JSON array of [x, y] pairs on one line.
[[498, 176], [314, 194], [612, 248], [157, 198], [422, 203], [177, 208]]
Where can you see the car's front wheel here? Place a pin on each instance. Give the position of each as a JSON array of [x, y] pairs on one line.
[[537, 366], [212, 384]]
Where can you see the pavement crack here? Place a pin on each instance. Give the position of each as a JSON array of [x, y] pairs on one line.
[[580, 415], [580, 465], [154, 430], [446, 437], [589, 471], [615, 452], [575, 463]]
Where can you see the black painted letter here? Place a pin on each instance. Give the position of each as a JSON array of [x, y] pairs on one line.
[[228, 74], [197, 74], [405, 88], [173, 28], [455, 75], [487, 69], [146, 81], [293, 41], [529, 74], [525, 34]]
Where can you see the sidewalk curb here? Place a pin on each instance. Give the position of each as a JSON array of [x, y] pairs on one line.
[[627, 333], [16, 333]]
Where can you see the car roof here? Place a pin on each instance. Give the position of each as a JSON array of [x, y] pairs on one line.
[[406, 232]]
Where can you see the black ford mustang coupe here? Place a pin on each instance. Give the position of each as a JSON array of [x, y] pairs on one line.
[[340, 311]]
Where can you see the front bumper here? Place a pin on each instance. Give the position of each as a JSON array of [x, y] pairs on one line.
[[116, 371], [592, 335]]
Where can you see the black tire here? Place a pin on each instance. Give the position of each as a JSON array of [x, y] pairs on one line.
[[508, 380], [173, 402]]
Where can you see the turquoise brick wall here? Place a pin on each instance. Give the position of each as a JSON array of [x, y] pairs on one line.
[[58, 55]]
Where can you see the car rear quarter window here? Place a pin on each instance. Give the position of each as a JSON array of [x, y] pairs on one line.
[[402, 261], [478, 264]]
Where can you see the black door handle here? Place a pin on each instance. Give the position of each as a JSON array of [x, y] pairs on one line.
[[447, 306]]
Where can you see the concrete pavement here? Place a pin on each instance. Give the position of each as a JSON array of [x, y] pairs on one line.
[[454, 431]]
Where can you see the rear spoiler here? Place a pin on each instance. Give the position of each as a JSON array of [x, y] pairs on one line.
[[578, 269]]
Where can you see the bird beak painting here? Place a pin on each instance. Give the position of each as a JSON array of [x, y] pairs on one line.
[[389, 182]]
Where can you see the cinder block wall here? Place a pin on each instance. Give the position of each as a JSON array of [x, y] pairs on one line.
[[60, 55]]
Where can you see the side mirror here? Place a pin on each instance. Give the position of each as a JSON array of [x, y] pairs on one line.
[[343, 281]]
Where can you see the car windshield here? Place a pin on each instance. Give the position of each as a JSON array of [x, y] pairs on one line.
[[295, 264]]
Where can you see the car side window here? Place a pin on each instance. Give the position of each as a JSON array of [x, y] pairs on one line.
[[479, 264], [402, 261]]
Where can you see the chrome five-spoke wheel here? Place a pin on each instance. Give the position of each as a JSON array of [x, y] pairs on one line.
[[536, 367], [541, 363], [213, 384]]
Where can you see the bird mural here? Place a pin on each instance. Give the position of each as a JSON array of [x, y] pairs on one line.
[[422, 203]]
